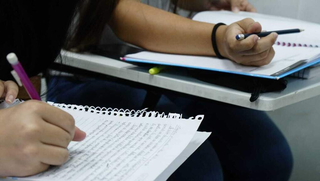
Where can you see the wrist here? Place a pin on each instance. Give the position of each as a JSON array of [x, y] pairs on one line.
[[220, 38]]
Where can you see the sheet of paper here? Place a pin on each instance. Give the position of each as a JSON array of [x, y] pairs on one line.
[[311, 35], [194, 144], [122, 148]]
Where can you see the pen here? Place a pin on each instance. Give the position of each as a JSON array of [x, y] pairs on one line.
[[156, 69], [266, 33], [21, 74]]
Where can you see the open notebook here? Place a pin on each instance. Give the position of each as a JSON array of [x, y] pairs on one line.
[[293, 51], [126, 145]]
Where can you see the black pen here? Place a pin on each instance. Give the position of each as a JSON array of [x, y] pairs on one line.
[[266, 33]]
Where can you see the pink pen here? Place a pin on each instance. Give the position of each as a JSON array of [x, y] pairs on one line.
[[13, 60]]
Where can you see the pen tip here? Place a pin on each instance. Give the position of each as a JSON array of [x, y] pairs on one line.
[[301, 30]]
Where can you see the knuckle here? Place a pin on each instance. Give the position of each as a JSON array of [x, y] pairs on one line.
[[232, 46], [30, 152], [63, 157], [31, 131], [257, 49], [33, 106], [70, 122], [11, 85], [249, 45], [67, 139], [263, 55], [248, 20]]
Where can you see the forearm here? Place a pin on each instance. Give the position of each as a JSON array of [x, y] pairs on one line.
[[160, 31]]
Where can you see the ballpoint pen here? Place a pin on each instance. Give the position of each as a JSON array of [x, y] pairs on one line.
[[266, 33], [22, 76], [156, 69]]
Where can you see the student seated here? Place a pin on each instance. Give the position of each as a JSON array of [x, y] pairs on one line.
[[247, 145]]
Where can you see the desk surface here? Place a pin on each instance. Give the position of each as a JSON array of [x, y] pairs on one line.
[[296, 91]]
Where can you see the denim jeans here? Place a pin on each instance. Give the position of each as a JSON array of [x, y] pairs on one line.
[[245, 144]]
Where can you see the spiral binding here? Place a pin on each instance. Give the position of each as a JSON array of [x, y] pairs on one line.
[[123, 112], [288, 44]]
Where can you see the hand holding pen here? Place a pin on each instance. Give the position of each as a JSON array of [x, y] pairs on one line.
[[251, 51], [21, 77]]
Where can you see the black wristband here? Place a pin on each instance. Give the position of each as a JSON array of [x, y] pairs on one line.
[[214, 40]]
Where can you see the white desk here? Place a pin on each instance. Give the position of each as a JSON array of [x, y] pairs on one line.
[[296, 91]]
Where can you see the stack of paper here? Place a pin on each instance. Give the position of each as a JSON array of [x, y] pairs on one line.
[[126, 145]]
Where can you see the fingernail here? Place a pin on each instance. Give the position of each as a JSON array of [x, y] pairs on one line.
[[255, 39], [10, 99], [275, 35]]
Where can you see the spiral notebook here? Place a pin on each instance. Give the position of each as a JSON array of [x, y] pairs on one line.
[[310, 38], [126, 145], [294, 52]]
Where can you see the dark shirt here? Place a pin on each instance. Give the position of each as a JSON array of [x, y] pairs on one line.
[[35, 30]]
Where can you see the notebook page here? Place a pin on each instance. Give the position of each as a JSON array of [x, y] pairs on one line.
[[196, 141], [309, 38], [122, 148]]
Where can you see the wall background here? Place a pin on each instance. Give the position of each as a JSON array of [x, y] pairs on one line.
[[300, 122]]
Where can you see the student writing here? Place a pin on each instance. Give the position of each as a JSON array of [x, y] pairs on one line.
[[42, 41], [228, 123]]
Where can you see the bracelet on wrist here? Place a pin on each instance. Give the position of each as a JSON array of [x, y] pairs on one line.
[[214, 40]]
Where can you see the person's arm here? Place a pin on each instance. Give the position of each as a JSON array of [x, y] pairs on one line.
[[160, 31], [203, 5], [195, 5], [34, 135]]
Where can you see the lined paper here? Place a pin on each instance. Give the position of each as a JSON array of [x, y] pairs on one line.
[[122, 148]]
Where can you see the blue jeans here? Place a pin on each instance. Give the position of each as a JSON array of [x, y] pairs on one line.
[[245, 145]]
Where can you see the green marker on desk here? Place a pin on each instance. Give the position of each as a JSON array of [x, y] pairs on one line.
[[156, 69]]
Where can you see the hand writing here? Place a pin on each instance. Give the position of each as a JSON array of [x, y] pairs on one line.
[[34, 135], [251, 51]]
